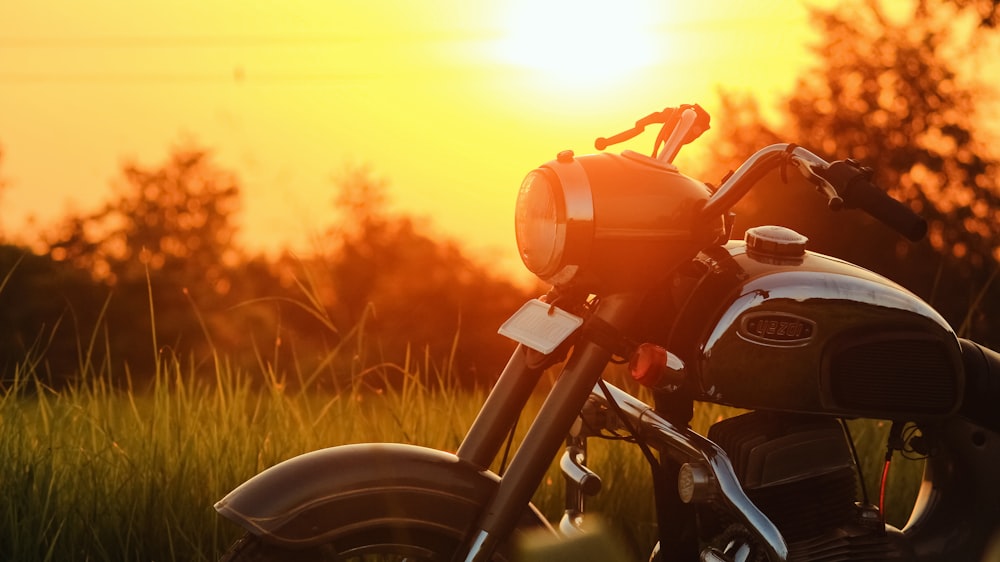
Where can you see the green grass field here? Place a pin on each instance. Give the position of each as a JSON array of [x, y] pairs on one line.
[[98, 473]]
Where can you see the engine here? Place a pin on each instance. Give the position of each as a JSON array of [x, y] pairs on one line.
[[800, 472]]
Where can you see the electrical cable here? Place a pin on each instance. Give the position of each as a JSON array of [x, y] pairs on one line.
[[857, 460]]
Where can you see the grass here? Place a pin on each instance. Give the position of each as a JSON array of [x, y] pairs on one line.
[[94, 472], [97, 473]]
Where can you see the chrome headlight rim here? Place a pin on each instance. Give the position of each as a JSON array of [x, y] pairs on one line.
[[574, 220]]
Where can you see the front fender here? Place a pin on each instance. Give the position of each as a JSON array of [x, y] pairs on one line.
[[322, 495]]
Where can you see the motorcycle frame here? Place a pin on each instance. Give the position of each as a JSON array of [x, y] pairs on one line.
[[957, 479], [575, 387]]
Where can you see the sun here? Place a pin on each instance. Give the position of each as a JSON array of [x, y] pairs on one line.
[[580, 42]]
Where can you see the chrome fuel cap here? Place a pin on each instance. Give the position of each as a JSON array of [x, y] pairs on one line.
[[775, 242]]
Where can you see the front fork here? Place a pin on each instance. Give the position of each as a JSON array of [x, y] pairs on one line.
[[545, 436], [581, 482]]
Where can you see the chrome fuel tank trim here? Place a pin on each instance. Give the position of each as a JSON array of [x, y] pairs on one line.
[[815, 335]]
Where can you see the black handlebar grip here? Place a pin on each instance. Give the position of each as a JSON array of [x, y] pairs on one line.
[[856, 189]]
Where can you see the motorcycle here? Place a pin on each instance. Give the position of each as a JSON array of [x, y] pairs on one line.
[[643, 270]]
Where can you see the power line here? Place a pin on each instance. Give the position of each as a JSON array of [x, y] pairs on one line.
[[239, 76], [224, 41], [701, 25]]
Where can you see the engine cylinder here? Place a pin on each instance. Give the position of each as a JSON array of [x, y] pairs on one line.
[[799, 470]]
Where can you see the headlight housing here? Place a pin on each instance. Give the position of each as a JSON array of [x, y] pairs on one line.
[[609, 222]]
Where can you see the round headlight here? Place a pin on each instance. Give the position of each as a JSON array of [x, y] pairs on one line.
[[539, 224], [605, 222]]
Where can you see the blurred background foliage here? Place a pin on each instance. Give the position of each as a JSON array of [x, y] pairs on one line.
[[902, 92], [159, 268]]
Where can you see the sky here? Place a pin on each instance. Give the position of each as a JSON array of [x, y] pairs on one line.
[[449, 102]]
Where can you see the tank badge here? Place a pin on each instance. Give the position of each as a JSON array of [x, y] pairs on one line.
[[777, 328]]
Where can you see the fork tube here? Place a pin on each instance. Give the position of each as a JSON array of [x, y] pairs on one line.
[[500, 411], [545, 437]]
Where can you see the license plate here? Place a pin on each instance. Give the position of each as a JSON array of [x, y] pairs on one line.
[[540, 326]]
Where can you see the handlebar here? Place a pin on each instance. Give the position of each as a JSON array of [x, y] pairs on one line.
[[845, 183], [859, 192]]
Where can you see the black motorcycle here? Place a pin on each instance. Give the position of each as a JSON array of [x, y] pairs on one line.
[[643, 270]]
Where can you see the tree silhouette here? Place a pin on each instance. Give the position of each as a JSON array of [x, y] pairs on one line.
[[988, 11], [175, 218], [890, 94], [3, 189], [419, 291], [49, 312], [165, 245]]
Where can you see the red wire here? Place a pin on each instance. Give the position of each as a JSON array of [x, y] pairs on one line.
[[881, 491]]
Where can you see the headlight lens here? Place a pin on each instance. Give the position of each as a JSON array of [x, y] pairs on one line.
[[606, 222], [539, 224]]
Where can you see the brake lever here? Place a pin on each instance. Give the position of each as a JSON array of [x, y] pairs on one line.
[[657, 117], [681, 125], [834, 200]]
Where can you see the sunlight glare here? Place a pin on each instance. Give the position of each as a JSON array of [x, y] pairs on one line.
[[580, 43]]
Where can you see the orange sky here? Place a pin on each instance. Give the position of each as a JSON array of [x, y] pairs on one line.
[[451, 102]]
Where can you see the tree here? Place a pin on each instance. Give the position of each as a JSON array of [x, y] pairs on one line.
[[891, 94], [988, 11], [3, 188], [176, 218], [166, 246], [49, 315], [412, 290]]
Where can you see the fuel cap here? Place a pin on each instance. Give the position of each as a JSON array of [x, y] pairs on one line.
[[775, 242]]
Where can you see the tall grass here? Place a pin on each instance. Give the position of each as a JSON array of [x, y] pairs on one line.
[[94, 472], [102, 471]]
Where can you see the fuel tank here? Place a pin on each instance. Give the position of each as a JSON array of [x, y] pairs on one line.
[[766, 324]]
